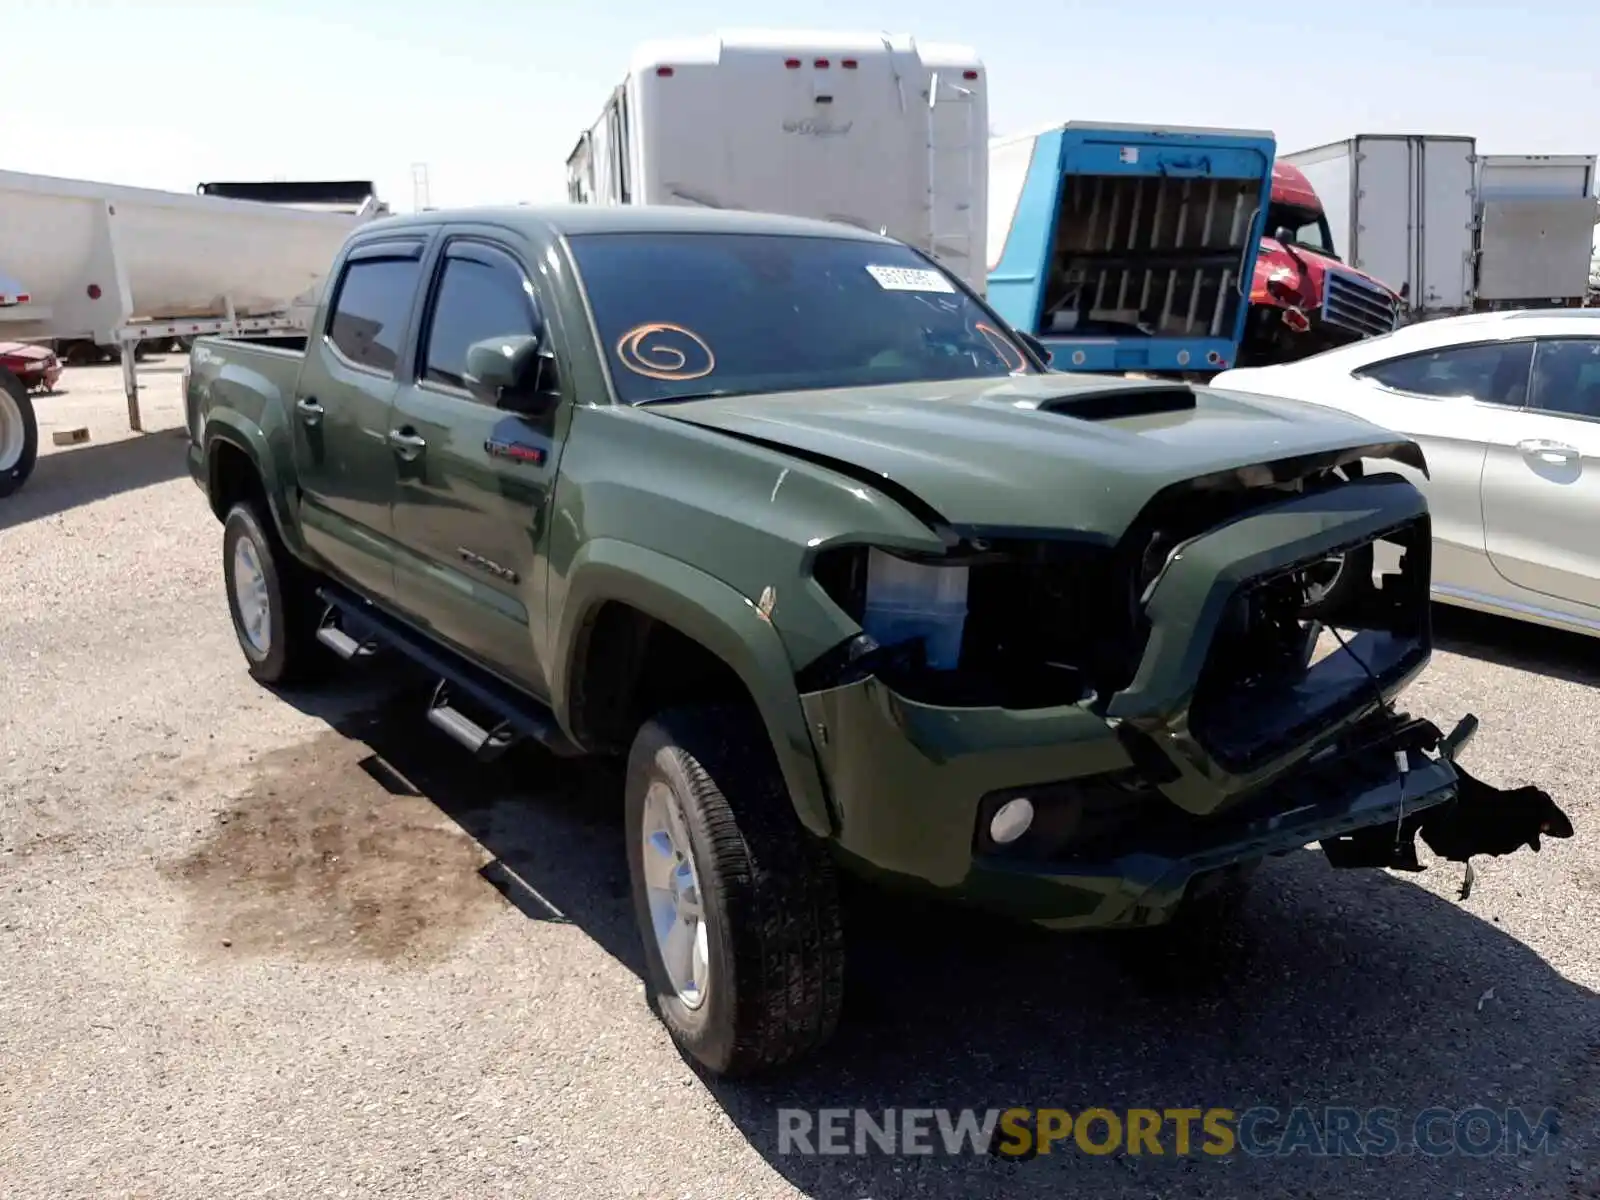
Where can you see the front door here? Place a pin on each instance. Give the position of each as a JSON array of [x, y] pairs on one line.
[[474, 487], [340, 414], [1541, 479]]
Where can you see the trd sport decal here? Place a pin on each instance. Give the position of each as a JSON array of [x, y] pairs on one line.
[[516, 451], [486, 564]]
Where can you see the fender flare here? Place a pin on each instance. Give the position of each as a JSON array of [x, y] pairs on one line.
[[726, 623], [225, 427]]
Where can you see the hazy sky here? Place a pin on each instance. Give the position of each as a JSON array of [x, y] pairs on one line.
[[492, 94]]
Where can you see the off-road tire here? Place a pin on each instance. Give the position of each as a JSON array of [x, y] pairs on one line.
[[768, 889], [18, 406], [293, 654]]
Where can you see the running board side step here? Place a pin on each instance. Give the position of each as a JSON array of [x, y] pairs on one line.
[[484, 744], [331, 635], [353, 622]]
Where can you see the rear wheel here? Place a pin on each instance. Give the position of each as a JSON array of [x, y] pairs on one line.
[[270, 600], [737, 904], [19, 434]]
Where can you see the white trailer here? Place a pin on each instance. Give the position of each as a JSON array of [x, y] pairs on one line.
[[1536, 226], [1402, 208], [876, 131], [118, 265]]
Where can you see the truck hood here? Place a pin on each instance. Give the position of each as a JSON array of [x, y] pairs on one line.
[[1044, 452]]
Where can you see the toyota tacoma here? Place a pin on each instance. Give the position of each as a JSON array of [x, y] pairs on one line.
[[781, 514]]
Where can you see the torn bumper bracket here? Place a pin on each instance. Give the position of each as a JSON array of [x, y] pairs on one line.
[[1479, 819]]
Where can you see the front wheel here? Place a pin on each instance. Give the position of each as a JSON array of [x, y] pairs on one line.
[[737, 903], [19, 434], [271, 604]]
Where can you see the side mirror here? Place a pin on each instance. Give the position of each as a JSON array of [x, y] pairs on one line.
[[1038, 347], [517, 374], [1283, 234]]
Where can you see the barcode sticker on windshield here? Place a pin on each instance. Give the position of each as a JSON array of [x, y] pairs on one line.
[[910, 279]]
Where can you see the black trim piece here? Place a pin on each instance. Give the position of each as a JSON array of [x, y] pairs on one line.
[[408, 248], [363, 620]]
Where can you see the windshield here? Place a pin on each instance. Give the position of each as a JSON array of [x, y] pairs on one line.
[[687, 314], [1306, 227]]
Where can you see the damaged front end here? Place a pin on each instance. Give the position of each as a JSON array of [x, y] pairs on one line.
[[1082, 733]]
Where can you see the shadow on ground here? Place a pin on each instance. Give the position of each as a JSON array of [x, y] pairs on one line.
[[81, 475], [1333, 989], [1521, 645]]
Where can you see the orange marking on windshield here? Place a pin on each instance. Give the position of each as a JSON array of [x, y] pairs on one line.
[[1009, 354], [643, 352]]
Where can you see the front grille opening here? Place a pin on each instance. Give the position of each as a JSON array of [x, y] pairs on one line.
[[1306, 648], [1153, 255]]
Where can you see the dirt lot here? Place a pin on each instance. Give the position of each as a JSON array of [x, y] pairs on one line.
[[296, 945]]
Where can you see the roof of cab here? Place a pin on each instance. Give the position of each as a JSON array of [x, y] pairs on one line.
[[573, 219]]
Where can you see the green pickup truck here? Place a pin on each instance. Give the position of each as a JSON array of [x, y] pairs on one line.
[[784, 515]]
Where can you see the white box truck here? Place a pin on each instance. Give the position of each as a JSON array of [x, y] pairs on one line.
[[874, 130], [1455, 231], [1536, 225], [1402, 208]]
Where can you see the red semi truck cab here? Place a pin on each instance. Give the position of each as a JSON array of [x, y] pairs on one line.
[[1303, 299]]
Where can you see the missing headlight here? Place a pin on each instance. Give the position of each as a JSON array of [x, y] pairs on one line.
[[1018, 624], [907, 600]]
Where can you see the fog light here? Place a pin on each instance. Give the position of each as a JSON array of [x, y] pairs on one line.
[[1011, 821]]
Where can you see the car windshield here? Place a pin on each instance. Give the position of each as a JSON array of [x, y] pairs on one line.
[[691, 314]]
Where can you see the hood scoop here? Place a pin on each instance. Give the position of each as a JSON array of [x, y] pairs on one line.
[[1120, 403]]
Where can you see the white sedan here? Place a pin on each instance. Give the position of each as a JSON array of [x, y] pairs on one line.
[[1506, 407]]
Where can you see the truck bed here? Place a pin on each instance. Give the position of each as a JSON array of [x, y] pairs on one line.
[[244, 374], [293, 344]]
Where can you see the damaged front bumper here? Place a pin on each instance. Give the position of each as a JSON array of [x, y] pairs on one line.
[[916, 785], [1190, 769]]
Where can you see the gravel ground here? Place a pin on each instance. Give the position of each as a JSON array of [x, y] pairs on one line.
[[254, 944]]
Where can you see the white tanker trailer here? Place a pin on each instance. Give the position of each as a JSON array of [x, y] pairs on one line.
[[94, 269]]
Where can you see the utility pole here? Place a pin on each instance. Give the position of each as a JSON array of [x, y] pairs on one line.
[[421, 201]]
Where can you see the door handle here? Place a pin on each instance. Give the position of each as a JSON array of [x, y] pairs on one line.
[[1554, 453], [308, 408], [407, 445]]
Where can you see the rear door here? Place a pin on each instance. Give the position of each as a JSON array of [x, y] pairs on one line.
[[340, 413], [1414, 217], [1382, 227], [1541, 480], [474, 480], [1448, 189]]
